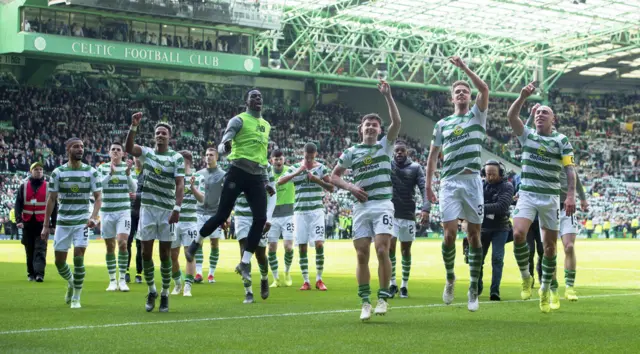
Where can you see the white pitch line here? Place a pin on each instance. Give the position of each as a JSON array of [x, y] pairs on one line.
[[290, 314], [613, 269]]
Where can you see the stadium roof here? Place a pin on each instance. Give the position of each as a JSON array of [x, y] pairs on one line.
[[561, 35], [545, 21]]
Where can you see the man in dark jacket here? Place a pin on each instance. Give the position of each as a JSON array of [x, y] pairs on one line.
[[31, 201], [498, 195]]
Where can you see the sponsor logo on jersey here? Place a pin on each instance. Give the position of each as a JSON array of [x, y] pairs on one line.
[[75, 188]]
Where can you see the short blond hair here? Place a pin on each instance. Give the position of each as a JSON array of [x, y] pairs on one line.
[[458, 83]]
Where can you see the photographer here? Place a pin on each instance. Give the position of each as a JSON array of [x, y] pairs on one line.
[[496, 226]]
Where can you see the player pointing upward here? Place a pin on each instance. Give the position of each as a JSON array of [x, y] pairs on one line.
[[370, 163], [459, 137]]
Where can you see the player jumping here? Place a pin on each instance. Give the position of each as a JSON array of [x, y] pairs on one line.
[[545, 154], [459, 137], [370, 163], [311, 179], [161, 203], [247, 138]]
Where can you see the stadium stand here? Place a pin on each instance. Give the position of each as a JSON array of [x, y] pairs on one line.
[[602, 131]]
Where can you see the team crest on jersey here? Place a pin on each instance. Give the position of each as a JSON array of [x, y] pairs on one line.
[[541, 151], [167, 163], [186, 190], [367, 160], [115, 180], [83, 179], [75, 188], [458, 131]]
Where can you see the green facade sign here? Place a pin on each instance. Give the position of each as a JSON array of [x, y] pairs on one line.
[[135, 54]]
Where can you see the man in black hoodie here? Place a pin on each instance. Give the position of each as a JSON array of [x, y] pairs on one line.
[[498, 195]]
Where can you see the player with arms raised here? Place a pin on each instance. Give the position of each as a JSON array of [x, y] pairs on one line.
[[459, 137], [115, 213], [311, 179], [370, 163], [161, 203], [545, 153], [74, 183]]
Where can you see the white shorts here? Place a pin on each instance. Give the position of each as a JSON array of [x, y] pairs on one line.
[[309, 227], [373, 218], [113, 224], [154, 225], [281, 225], [201, 220], [462, 197], [243, 224], [404, 230], [64, 235], [567, 224], [547, 207], [186, 232]]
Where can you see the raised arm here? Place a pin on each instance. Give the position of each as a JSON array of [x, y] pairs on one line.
[[130, 147], [482, 100], [394, 128], [514, 111]]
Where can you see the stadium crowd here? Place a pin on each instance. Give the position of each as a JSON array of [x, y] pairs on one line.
[[36, 122]]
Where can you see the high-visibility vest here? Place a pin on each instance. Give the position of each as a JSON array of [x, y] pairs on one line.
[[35, 202]]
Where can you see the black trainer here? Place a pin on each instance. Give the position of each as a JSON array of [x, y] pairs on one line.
[[393, 290], [494, 297], [139, 279], [31, 278], [164, 303], [404, 293], [264, 288], [127, 278], [248, 299], [244, 269], [151, 301], [190, 253], [39, 278]]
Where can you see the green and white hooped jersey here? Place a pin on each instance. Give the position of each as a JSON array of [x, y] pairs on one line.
[[115, 193], [161, 170], [543, 159], [308, 195], [188, 211], [74, 187], [461, 139], [242, 205], [371, 168]]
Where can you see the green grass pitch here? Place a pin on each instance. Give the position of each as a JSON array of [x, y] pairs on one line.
[[34, 317]]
